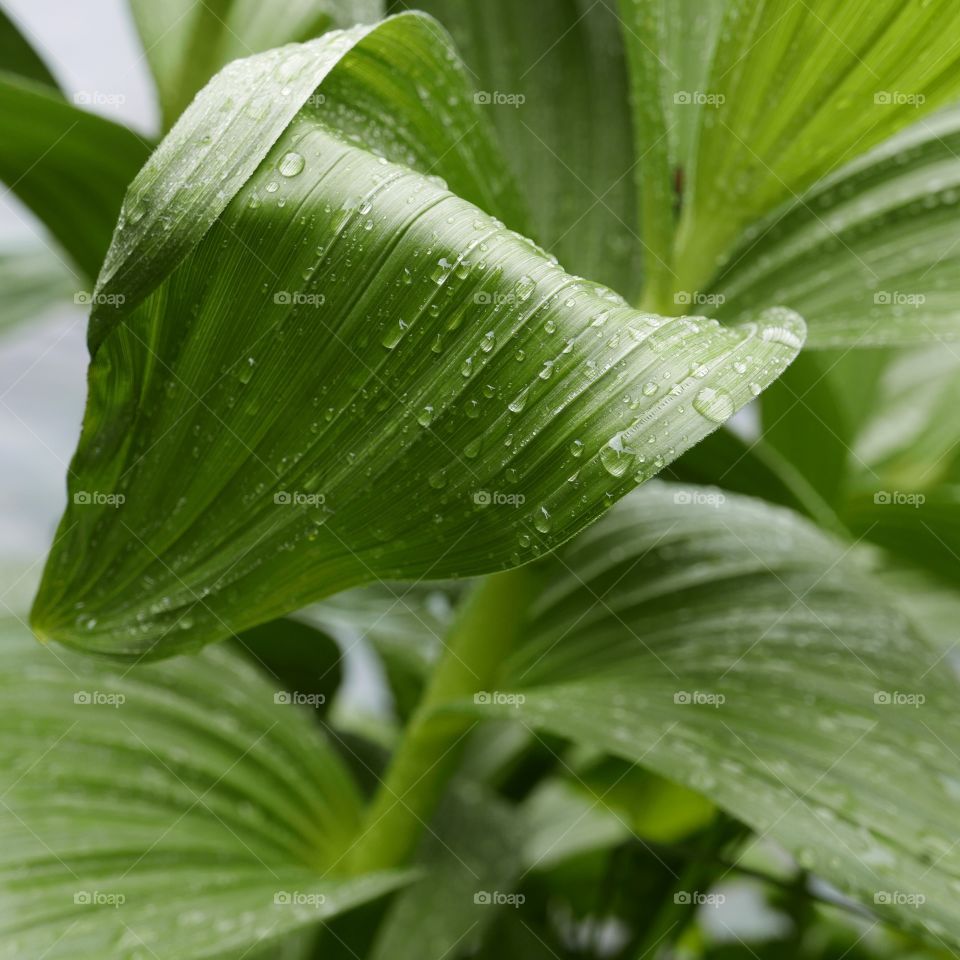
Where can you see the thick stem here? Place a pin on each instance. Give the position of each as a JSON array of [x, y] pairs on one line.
[[484, 632]]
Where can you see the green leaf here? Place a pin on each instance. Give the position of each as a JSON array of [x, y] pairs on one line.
[[553, 77], [18, 56], [791, 94], [869, 255], [739, 651], [356, 374], [187, 41], [31, 282], [172, 811], [69, 167]]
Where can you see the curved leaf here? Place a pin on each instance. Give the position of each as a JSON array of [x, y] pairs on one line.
[[734, 648], [69, 166], [188, 41], [173, 811], [870, 256], [357, 374], [31, 282], [18, 56], [552, 76], [793, 92]]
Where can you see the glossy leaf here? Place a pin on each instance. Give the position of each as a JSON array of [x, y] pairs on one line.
[[70, 167], [739, 651], [187, 41], [869, 255], [357, 374], [174, 811], [552, 76]]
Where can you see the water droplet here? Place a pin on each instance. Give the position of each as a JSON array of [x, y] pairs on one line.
[[613, 457], [650, 388], [576, 448], [291, 164], [715, 405], [426, 416], [542, 519]]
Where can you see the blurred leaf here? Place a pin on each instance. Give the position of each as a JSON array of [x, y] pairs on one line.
[[69, 167], [31, 282], [741, 652], [423, 395], [304, 661], [188, 41], [553, 78], [18, 56], [174, 811], [868, 255]]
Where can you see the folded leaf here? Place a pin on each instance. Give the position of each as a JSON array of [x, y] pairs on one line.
[[792, 93], [70, 167], [356, 374], [553, 78], [736, 649], [176, 811], [188, 41], [869, 255]]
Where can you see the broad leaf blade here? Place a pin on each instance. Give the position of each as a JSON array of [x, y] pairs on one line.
[[552, 76], [31, 282], [187, 41], [178, 810], [870, 255], [18, 56], [369, 377], [69, 166], [718, 652]]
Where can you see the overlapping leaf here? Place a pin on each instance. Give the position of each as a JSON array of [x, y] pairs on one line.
[[737, 650], [18, 56], [31, 282], [357, 373], [552, 76], [176, 811], [70, 167], [188, 41]]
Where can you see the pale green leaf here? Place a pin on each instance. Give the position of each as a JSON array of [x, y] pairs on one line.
[[171, 812], [356, 374], [739, 651], [32, 281]]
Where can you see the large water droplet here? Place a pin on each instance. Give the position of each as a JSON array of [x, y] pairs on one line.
[[715, 405], [291, 164]]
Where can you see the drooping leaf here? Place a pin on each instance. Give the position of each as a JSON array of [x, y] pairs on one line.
[[31, 282], [739, 651], [793, 92], [18, 56], [552, 76], [368, 376], [175, 811], [70, 167], [188, 41], [870, 254]]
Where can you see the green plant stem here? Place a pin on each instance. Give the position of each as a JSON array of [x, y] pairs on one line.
[[484, 632]]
